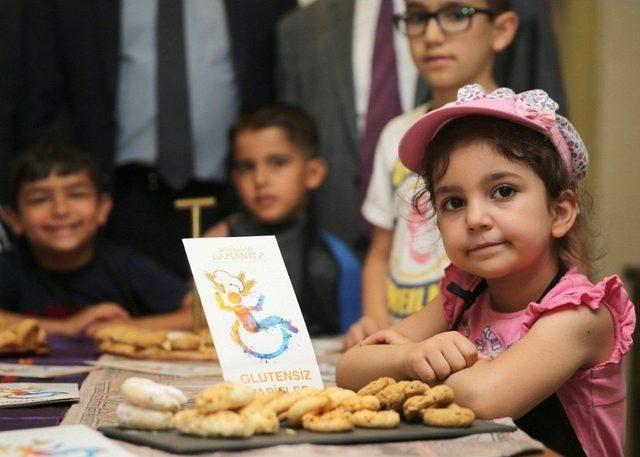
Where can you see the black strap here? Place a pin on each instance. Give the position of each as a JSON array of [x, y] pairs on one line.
[[469, 297]]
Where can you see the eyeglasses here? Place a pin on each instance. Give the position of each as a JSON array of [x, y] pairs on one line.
[[451, 19]]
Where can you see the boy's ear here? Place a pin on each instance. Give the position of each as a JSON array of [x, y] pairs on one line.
[[505, 26], [316, 171], [12, 218], [105, 203], [565, 210]]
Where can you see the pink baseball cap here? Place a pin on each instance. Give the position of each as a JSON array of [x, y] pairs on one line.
[[533, 108]]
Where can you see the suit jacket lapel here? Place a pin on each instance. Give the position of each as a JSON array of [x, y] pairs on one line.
[[341, 19], [108, 29]]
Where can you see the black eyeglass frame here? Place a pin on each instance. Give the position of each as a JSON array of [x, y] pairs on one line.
[[467, 11]]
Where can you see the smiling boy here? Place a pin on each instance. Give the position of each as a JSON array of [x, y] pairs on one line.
[[58, 271]]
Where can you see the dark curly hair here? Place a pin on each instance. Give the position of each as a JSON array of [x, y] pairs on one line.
[[519, 144]]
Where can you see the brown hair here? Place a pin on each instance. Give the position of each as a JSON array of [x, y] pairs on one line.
[[294, 121], [41, 159], [519, 144]]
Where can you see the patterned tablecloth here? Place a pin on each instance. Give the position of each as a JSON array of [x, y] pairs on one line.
[[100, 395]]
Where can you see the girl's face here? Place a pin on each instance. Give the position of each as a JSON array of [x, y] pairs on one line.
[[494, 214]]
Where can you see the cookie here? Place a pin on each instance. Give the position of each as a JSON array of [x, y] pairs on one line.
[[440, 395], [310, 404], [331, 422], [284, 402], [7, 338], [222, 396], [264, 421], [392, 396], [146, 393], [359, 402], [139, 338], [376, 386], [226, 424], [415, 388], [366, 418], [131, 416], [110, 347], [449, 416], [183, 341], [336, 396], [26, 332]]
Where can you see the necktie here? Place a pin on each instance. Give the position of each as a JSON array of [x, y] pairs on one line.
[[174, 128], [384, 97]]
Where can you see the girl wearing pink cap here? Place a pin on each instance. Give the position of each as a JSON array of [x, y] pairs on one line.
[[518, 330]]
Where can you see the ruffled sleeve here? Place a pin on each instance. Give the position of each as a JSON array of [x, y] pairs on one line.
[[452, 305], [576, 290]]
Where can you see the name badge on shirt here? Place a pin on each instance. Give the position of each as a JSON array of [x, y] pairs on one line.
[[252, 311]]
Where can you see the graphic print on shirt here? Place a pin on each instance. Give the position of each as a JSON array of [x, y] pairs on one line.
[[417, 258], [488, 343], [233, 294]]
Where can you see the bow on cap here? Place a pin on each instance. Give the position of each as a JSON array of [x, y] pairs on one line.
[[535, 106]]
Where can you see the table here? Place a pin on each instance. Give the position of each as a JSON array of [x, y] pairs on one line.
[[99, 396], [62, 351]]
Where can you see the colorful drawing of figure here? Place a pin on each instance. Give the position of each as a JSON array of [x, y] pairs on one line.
[[230, 291]]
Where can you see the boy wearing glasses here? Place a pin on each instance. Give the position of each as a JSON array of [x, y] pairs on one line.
[[452, 44]]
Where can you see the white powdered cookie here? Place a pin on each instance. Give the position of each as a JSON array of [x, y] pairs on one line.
[[131, 416], [146, 393]]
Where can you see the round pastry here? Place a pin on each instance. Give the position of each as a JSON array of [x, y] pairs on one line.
[[359, 402], [331, 422], [366, 418], [131, 416], [265, 421], [222, 396], [311, 404], [225, 424], [376, 386], [149, 394], [449, 416]]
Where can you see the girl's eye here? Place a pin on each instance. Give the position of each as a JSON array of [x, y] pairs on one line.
[[452, 204], [504, 192]]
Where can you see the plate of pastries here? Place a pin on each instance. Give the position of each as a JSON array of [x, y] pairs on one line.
[[233, 416], [139, 343], [23, 337]]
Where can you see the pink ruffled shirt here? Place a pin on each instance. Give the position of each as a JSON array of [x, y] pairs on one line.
[[594, 398]]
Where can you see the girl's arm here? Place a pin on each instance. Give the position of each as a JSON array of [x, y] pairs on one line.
[[362, 364], [558, 345]]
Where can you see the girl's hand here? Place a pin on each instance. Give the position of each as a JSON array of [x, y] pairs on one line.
[[386, 336], [435, 358]]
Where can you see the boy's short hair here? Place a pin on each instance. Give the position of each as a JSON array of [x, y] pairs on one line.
[[43, 158], [296, 123], [499, 6]]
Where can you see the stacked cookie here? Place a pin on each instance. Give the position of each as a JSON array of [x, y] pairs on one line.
[[148, 405], [24, 336], [434, 406], [131, 341]]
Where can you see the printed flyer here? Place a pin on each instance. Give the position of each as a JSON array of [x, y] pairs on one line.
[[253, 314]]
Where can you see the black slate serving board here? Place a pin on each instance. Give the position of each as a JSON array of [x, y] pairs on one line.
[[172, 441]]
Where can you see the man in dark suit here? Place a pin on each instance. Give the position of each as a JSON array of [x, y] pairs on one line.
[[91, 74], [11, 16]]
